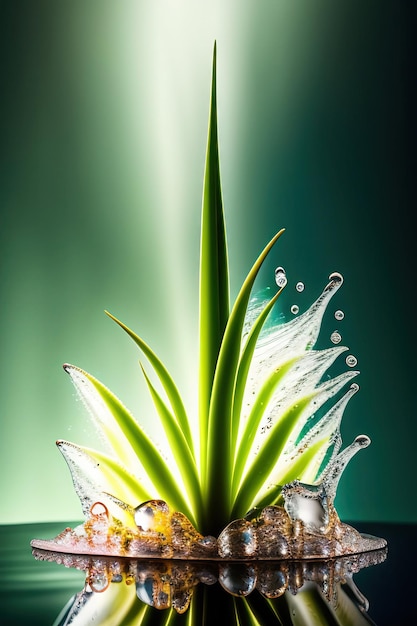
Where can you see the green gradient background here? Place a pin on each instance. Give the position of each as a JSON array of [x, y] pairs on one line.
[[104, 120]]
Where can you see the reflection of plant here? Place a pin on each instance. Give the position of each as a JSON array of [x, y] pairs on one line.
[[259, 392], [261, 592]]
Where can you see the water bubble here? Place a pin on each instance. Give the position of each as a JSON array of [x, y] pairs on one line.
[[339, 315], [335, 337], [151, 514], [237, 540], [351, 360], [300, 286], [280, 277], [294, 309], [98, 508]]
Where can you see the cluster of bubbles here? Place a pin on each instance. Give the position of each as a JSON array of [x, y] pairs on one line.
[[281, 280]]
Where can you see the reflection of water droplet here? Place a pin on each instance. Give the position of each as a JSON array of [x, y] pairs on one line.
[[280, 277], [98, 581], [299, 286], [351, 360], [272, 582], [294, 309], [144, 591], [339, 315], [335, 337], [238, 579]]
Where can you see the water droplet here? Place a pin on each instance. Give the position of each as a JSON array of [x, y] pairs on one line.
[[339, 315], [351, 360], [363, 441], [335, 337], [237, 540], [300, 286], [294, 309], [280, 277], [306, 503], [336, 278], [152, 514]]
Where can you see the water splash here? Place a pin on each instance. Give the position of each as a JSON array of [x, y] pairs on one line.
[[307, 526], [293, 340]]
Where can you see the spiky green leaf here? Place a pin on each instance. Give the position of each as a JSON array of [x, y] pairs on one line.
[[165, 379], [214, 274], [156, 467], [180, 450]]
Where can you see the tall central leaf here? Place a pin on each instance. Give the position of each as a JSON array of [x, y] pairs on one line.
[[214, 275]]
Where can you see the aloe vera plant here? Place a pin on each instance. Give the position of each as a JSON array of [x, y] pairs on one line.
[[268, 418]]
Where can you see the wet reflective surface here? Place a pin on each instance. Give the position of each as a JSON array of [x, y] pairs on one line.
[[373, 588]]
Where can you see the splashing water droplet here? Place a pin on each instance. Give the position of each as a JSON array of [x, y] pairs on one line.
[[280, 277], [339, 315], [335, 337], [294, 309], [336, 278], [363, 441], [351, 360], [300, 286]]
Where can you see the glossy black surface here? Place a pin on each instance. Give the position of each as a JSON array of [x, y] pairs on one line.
[[34, 592]]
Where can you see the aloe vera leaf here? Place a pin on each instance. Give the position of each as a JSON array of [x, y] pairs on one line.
[[244, 366], [244, 614], [117, 605], [219, 453], [107, 426], [158, 471], [264, 610], [155, 617], [97, 478], [254, 419], [124, 485], [280, 435], [267, 457], [180, 449], [165, 379], [214, 274], [295, 471]]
